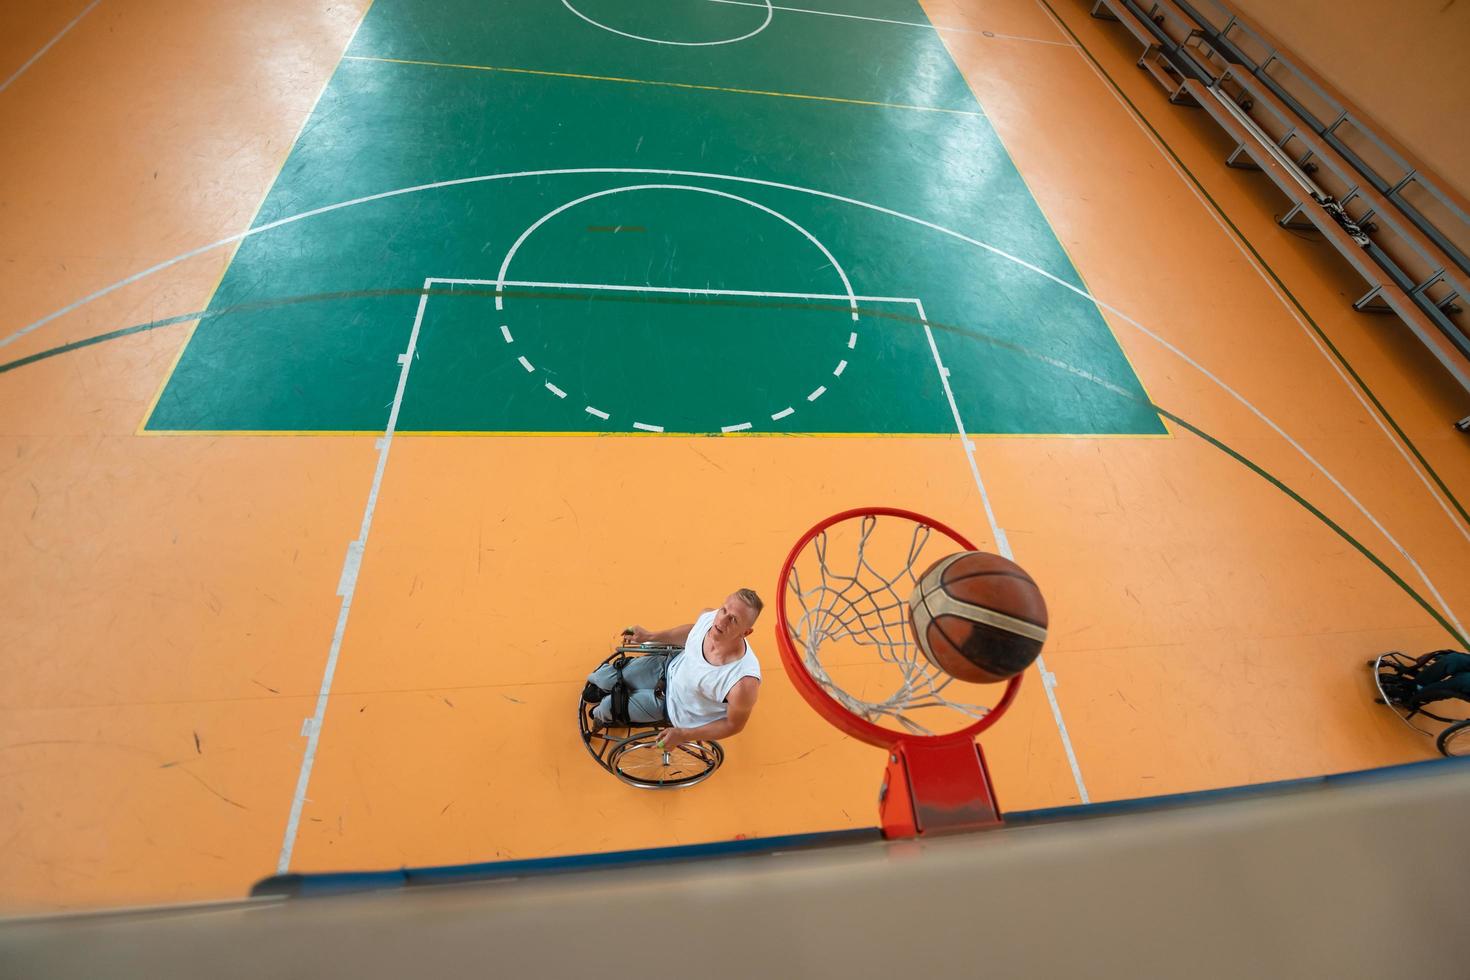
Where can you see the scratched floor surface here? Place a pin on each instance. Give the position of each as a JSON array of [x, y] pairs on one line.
[[366, 367]]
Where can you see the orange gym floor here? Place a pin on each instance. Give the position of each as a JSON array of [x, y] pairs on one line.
[[170, 598]]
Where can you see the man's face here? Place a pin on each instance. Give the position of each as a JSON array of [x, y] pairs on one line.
[[734, 619]]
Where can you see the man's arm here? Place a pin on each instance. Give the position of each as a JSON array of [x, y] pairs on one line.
[[673, 636], [740, 703]]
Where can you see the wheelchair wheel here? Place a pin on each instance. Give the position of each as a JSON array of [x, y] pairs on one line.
[[1455, 740], [639, 761]]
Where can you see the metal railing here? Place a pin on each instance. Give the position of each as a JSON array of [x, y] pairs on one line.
[[1422, 196]]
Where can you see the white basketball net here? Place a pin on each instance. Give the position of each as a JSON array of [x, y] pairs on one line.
[[853, 602]]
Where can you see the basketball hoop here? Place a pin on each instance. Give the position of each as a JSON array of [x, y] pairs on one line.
[[842, 623]]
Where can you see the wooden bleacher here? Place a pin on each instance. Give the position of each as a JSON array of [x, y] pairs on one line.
[[1148, 33], [1412, 268]]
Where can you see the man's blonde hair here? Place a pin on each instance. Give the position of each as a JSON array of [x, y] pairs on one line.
[[752, 600]]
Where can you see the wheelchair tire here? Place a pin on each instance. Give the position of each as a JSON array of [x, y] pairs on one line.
[[1455, 740], [638, 761]]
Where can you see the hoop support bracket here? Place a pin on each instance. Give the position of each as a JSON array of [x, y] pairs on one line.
[[936, 788]]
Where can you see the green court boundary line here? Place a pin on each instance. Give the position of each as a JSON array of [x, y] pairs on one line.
[[1315, 512], [661, 84], [903, 318], [1241, 237]]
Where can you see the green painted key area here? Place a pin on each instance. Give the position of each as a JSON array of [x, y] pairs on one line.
[[697, 187]]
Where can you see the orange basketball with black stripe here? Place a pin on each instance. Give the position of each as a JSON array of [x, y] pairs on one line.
[[978, 617]]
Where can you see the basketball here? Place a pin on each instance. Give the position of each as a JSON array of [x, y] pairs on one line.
[[978, 617]]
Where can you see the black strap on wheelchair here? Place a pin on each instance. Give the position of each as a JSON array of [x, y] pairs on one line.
[[621, 693]]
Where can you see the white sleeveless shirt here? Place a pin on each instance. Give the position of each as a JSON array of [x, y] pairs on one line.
[[695, 688]]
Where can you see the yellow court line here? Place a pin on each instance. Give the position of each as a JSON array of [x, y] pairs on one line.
[[760, 434], [624, 434], [142, 427], [685, 85]]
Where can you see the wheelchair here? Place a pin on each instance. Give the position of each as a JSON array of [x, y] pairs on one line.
[[629, 751], [1395, 675]]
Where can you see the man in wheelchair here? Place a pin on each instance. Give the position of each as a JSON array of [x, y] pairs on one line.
[[705, 692]]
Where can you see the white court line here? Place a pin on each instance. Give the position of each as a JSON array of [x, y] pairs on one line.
[[505, 332], [777, 185], [598, 412], [1003, 545], [47, 46], [648, 428], [525, 363], [347, 588], [1019, 37], [782, 414], [607, 192], [848, 299], [899, 23], [682, 290], [682, 44]]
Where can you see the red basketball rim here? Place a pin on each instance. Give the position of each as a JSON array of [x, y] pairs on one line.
[[826, 705]]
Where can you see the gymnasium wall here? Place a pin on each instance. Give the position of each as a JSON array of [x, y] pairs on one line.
[[1405, 64]]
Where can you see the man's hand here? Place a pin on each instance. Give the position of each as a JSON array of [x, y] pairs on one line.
[[741, 702], [673, 636], [671, 738]]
